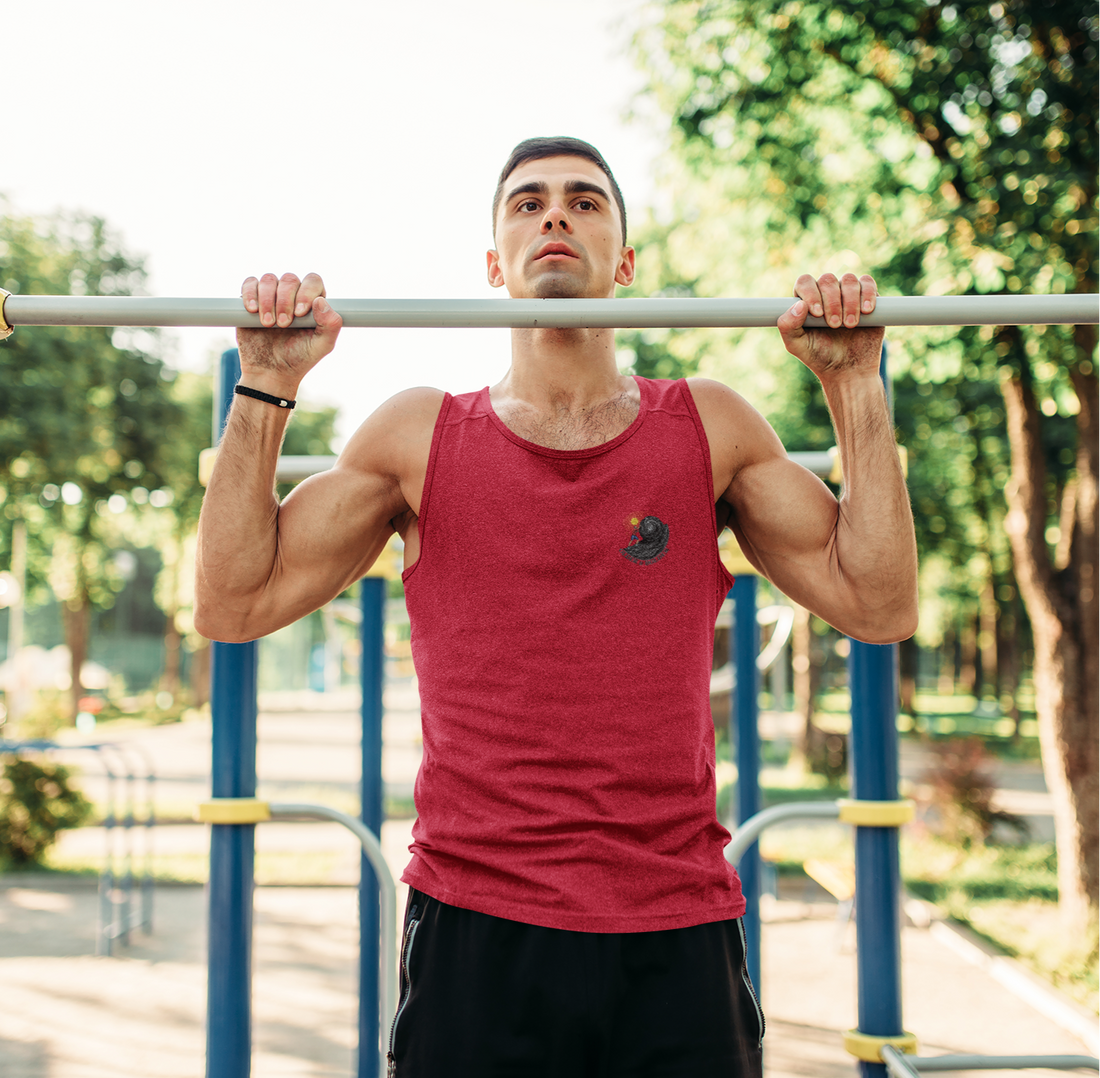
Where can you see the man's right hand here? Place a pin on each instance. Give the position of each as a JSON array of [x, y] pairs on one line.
[[275, 360]]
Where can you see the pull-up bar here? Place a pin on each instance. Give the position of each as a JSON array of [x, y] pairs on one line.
[[1000, 310]]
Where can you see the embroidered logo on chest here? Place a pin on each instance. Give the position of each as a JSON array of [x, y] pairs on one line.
[[648, 540]]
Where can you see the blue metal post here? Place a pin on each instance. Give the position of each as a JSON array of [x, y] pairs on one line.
[[872, 678], [373, 606], [744, 732], [232, 846], [873, 746]]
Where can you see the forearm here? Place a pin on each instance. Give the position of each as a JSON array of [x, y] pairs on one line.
[[239, 523], [874, 546]]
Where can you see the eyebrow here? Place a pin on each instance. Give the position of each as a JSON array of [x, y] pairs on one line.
[[572, 187]]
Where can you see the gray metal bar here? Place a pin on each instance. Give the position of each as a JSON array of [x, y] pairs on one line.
[[387, 974], [993, 1063], [549, 313], [899, 1065], [751, 829], [292, 469]]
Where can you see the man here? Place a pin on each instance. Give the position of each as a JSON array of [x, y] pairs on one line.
[[571, 911]]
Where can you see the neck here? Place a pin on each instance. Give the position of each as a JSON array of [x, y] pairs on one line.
[[562, 368]]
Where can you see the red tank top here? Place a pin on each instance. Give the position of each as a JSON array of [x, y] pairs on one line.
[[562, 612]]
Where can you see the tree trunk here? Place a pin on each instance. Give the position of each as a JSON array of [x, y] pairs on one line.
[[77, 618], [170, 678], [200, 675], [1060, 596], [806, 666]]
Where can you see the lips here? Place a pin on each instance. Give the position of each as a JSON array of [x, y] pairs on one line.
[[559, 249]]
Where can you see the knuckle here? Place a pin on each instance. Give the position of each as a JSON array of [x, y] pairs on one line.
[[289, 278], [267, 278]]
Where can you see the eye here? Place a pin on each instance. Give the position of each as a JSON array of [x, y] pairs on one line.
[[528, 205], [587, 204]]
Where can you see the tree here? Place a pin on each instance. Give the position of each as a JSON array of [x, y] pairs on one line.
[[83, 416], [953, 148]]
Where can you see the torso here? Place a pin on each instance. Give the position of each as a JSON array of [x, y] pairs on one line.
[[566, 429]]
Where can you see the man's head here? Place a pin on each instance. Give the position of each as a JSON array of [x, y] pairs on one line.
[[535, 149], [559, 225]]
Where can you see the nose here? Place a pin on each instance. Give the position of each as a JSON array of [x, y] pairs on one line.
[[556, 217]]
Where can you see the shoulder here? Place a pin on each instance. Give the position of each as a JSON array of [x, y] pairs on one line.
[[738, 435], [398, 434], [725, 411]]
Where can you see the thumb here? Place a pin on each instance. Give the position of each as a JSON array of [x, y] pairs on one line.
[[328, 321]]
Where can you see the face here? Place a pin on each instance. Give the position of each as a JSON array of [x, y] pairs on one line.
[[558, 233]]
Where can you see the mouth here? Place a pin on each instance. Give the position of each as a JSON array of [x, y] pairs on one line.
[[553, 252]]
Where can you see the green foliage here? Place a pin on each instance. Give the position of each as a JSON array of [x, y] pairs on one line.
[[943, 874], [947, 148], [36, 802], [85, 410]]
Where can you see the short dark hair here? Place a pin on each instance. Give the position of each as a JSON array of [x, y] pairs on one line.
[[535, 149]]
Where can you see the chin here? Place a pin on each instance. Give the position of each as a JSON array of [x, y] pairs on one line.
[[559, 287]]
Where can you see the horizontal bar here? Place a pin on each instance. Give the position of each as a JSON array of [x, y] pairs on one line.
[[293, 469], [994, 1063], [751, 829], [1073, 309]]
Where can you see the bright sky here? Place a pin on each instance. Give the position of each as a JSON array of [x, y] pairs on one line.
[[355, 138]]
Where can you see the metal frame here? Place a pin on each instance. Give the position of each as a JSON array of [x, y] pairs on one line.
[[899, 1065], [655, 313]]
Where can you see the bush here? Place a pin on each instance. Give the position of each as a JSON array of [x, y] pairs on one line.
[[36, 802], [962, 791]]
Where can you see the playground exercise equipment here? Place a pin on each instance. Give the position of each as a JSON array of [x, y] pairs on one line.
[[125, 891], [1000, 310], [872, 668], [229, 810]]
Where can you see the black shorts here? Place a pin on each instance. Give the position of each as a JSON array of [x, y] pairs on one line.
[[484, 997]]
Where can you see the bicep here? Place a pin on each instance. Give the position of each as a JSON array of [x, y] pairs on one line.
[[785, 519], [333, 526]]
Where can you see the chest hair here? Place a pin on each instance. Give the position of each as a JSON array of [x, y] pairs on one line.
[[563, 428]]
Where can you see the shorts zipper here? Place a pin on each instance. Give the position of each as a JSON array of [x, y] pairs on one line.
[[406, 948], [748, 980]]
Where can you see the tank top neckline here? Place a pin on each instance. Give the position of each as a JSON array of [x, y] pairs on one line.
[[571, 454]]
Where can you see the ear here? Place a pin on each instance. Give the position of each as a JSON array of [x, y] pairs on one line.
[[624, 275], [492, 262]]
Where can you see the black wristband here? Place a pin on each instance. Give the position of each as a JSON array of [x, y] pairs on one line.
[[267, 398]]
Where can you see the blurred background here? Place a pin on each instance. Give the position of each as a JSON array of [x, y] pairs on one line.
[[947, 148]]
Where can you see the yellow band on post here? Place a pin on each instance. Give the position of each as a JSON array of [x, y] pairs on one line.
[[876, 813], [869, 1049], [206, 465], [6, 330], [233, 810]]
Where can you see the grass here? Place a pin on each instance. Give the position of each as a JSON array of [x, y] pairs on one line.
[[289, 868]]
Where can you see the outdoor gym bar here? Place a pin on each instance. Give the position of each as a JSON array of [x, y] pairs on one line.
[[995, 310]]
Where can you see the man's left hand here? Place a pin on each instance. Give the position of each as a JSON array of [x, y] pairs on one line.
[[843, 347]]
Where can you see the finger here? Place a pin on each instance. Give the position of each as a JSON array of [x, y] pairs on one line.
[[249, 294], [849, 299], [284, 299], [312, 287], [831, 302], [269, 283], [805, 288], [869, 293]]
